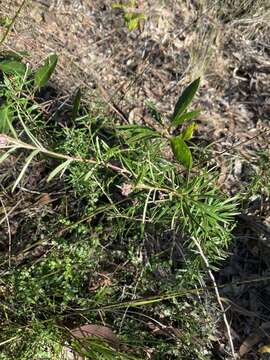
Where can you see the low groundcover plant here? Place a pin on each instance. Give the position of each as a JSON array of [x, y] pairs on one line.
[[120, 245]]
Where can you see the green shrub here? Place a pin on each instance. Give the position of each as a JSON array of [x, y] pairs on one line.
[[121, 250]]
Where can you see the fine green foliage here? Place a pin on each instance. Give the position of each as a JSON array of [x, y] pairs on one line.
[[115, 241]]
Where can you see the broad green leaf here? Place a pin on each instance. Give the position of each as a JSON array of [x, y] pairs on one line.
[[59, 169], [5, 118], [12, 67], [44, 73], [178, 120], [76, 104], [185, 99], [188, 132], [181, 151]]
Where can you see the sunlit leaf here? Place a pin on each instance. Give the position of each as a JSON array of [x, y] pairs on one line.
[[185, 99], [188, 132], [181, 151], [12, 67], [44, 73], [178, 120], [132, 20]]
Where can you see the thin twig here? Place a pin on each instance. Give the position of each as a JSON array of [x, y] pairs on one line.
[[10, 211], [196, 242]]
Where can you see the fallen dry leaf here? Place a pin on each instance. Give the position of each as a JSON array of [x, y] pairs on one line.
[[103, 332], [253, 339], [264, 349]]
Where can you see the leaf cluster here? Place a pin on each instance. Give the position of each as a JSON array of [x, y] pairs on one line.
[[137, 212]]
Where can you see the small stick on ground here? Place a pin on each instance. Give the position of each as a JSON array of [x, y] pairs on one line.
[[217, 296]]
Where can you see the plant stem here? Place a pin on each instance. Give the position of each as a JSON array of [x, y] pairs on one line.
[[20, 144]]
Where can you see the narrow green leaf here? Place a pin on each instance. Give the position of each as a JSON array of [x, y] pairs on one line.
[[188, 132], [178, 120], [181, 151], [76, 104], [27, 163], [185, 99], [28, 132], [134, 133], [90, 172], [44, 73], [12, 67], [7, 153], [5, 118], [133, 127], [59, 169]]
